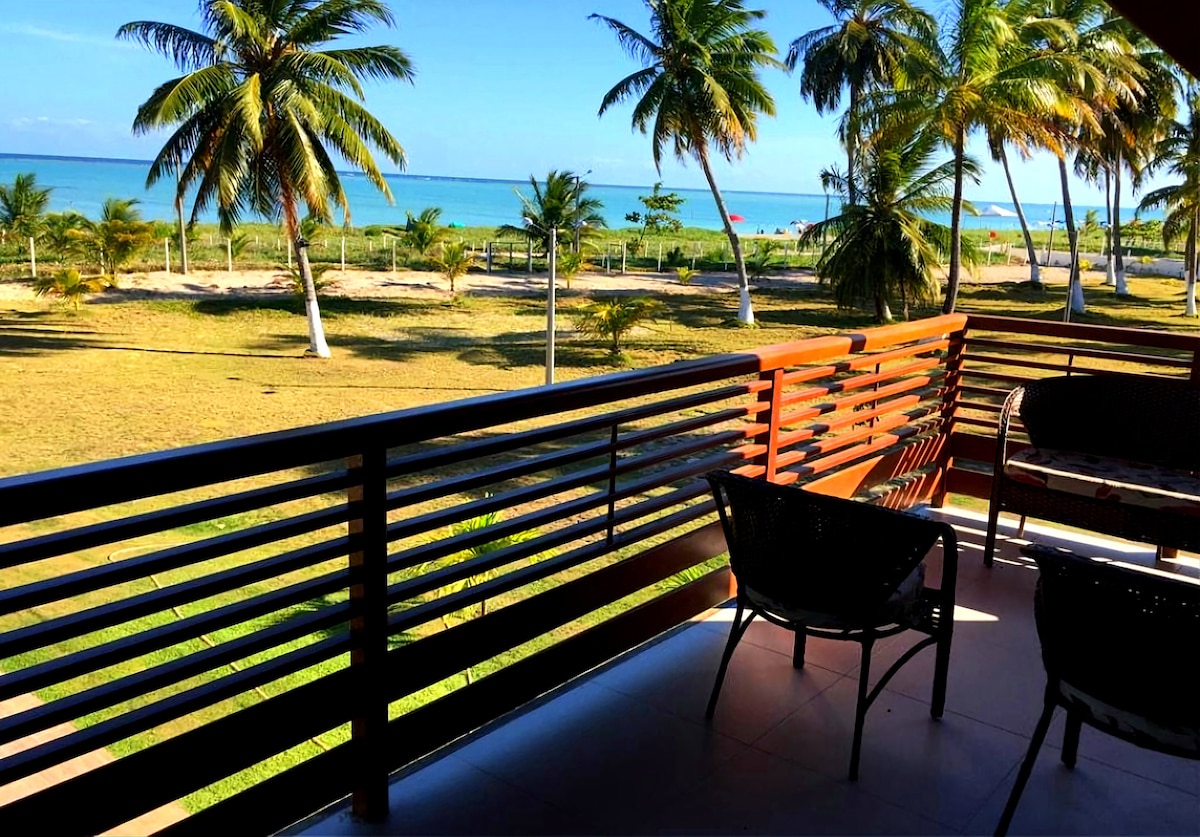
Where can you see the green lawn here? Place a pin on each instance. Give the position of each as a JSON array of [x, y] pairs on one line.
[[122, 377]]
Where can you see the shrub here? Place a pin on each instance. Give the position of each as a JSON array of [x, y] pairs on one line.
[[613, 319], [675, 257], [453, 261], [295, 283], [686, 275], [69, 287], [569, 265]]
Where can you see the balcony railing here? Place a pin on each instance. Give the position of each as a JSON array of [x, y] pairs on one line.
[[283, 606]]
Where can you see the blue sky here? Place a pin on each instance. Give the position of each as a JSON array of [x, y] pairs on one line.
[[504, 88]]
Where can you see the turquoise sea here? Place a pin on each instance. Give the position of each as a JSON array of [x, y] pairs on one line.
[[82, 184]]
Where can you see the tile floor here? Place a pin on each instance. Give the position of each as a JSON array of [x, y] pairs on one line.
[[626, 749]]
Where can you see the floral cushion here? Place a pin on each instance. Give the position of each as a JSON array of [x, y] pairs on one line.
[[1117, 480]]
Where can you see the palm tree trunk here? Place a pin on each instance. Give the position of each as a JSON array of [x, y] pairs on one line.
[[1074, 286], [1122, 288], [1035, 272], [955, 225], [852, 143], [1190, 295], [1110, 273], [183, 254], [317, 347], [745, 310], [32, 258]]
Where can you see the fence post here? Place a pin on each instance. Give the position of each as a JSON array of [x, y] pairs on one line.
[[660, 257], [773, 398], [343, 252], [367, 498], [167, 254], [612, 480], [623, 254], [393, 257], [954, 355], [529, 256], [229, 253], [488, 256]]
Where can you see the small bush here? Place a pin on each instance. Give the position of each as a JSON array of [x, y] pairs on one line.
[[69, 287], [675, 257], [613, 319], [686, 275]]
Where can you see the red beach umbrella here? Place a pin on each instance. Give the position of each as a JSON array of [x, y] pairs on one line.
[[736, 218]]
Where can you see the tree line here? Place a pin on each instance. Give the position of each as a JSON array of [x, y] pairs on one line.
[[265, 100]]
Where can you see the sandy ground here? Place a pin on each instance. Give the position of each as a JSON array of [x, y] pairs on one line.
[[362, 283]]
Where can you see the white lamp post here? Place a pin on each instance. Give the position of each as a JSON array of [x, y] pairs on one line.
[[552, 258]]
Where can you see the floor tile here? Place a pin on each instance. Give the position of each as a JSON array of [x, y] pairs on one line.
[[451, 797], [944, 770], [762, 794], [1091, 799], [592, 749], [761, 688]]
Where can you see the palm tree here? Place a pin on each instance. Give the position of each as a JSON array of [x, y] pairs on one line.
[[22, 211], [561, 204], [699, 90], [1179, 154], [977, 78], [423, 231], [864, 50], [263, 101], [1103, 73], [58, 235], [885, 248], [1128, 132], [117, 237], [453, 261]]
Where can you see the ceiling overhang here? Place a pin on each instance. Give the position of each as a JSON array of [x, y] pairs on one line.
[[1170, 24]]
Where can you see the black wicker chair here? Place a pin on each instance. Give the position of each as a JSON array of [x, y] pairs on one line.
[[1150, 423], [839, 569], [1115, 644]]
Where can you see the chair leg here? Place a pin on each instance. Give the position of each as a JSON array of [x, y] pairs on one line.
[[941, 669], [1021, 527], [798, 647], [735, 634], [989, 542], [860, 708], [1039, 736], [1071, 739]]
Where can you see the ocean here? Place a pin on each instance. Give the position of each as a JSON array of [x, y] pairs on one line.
[[83, 184]]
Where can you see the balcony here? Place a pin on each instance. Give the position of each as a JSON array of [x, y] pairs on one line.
[[261, 628], [626, 750]]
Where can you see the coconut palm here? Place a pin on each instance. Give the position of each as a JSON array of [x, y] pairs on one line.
[[866, 49], [22, 211], [453, 261], [1127, 133], [423, 231], [884, 249], [562, 204], [1098, 71], [1179, 155], [977, 78], [265, 104], [57, 233], [117, 237], [699, 90], [69, 287]]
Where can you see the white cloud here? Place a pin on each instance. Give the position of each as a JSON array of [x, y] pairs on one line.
[[28, 30], [24, 123]]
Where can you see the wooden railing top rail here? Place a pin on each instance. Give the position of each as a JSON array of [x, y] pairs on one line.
[[1080, 331], [65, 490]]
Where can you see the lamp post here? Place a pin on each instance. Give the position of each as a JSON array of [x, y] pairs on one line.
[[578, 224], [552, 257]]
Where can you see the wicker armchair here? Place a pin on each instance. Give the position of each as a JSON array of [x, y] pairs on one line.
[[1115, 644], [834, 568], [1113, 454]]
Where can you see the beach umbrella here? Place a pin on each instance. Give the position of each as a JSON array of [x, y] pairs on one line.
[[736, 218], [455, 225]]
